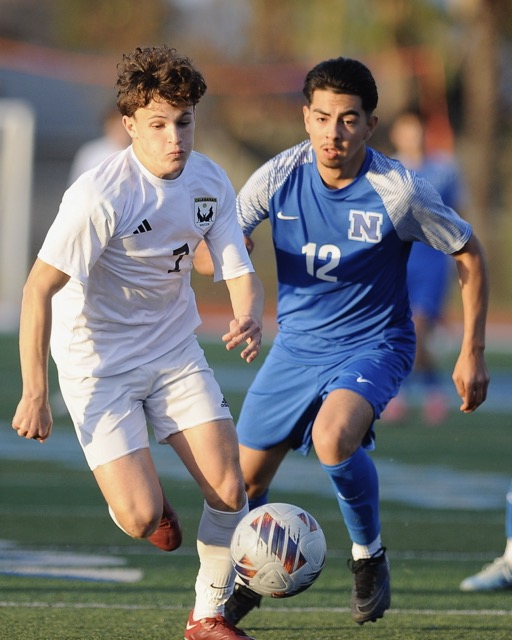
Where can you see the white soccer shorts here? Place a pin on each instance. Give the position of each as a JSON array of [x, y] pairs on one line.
[[177, 391]]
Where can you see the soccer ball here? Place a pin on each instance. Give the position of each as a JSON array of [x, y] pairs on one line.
[[278, 550]]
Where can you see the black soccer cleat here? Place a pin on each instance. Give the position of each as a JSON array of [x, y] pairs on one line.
[[241, 602], [371, 592]]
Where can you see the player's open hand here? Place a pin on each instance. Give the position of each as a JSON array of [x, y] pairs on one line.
[[244, 329], [33, 420]]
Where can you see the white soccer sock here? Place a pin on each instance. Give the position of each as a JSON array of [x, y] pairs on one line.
[[215, 579], [362, 552]]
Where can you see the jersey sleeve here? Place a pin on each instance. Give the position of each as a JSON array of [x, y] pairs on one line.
[[416, 209], [80, 232], [226, 243], [254, 199], [433, 222], [252, 203]]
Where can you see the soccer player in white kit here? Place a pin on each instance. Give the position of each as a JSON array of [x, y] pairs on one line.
[[110, 294]]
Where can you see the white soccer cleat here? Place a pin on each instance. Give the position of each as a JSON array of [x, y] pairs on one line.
[[493, 577]]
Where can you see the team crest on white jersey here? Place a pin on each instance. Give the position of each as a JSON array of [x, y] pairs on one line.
[[205, 211], [365, 226]]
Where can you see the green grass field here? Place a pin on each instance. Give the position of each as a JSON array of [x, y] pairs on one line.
[[52, 516]]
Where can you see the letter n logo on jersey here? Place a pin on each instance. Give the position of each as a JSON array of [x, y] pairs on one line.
[[205, 211], [365, 226]]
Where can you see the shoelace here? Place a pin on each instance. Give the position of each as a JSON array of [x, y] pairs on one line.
[[365, 580]]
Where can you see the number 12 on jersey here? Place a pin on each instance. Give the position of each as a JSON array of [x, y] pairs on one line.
[[330, 254]]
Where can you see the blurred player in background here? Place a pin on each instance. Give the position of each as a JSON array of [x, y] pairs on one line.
[[343, 219], [429, 271], [114, 274], [497, 575], [115, 138]]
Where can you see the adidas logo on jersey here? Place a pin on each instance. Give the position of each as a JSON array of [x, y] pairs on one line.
[[143, 227], [224, 404]]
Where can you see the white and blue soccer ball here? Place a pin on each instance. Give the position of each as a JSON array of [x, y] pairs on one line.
[[278, 550]]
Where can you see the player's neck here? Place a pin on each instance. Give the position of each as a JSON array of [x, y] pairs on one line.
[[341, 176], [336, 182]]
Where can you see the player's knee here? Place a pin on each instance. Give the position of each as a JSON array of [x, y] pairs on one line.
[[227, 495], [333, 448], [139, 524]]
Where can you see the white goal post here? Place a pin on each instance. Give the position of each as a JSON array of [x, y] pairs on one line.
[[17, 127]]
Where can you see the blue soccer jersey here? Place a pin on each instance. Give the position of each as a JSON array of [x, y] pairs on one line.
[[341, 254]]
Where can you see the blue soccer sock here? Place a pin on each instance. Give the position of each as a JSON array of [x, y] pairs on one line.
[[258, 502], [357, 490]]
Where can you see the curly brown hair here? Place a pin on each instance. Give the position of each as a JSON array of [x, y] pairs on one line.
[[153, 73]]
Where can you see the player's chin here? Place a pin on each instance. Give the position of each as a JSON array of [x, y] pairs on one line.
[[332, 163], [173, 167]]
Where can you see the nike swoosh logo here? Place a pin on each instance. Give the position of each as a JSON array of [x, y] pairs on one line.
[[369, 604], [190, 626], [361, 379], [281, 216], [380, 594]]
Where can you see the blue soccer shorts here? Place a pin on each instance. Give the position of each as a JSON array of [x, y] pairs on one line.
[[285, 397]]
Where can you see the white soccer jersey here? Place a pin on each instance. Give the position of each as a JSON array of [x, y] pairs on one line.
[[127, 240]]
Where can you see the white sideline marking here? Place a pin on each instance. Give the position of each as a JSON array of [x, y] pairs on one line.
[[16, 561], [69, 573], [142, 607]]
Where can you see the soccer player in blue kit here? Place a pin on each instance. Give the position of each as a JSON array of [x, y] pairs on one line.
[[343, 219]]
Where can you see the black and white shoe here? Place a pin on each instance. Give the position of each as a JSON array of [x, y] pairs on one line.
[[371, 591]]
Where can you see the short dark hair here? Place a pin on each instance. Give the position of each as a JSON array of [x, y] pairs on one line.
[[153, 73], [343, 75]]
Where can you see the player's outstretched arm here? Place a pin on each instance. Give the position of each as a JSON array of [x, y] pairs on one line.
[[246, 294], [33, 418], [470, 375]]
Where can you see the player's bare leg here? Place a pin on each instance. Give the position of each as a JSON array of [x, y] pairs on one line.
[[210, 453], [136, 501], [260, 467]]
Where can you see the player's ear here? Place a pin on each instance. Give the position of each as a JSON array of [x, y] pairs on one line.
[[307, 114], [129, 125]]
